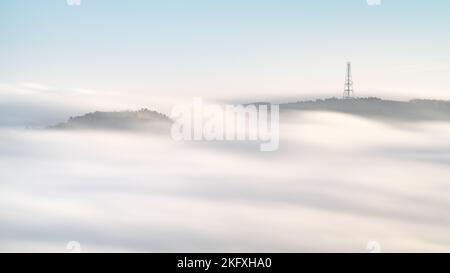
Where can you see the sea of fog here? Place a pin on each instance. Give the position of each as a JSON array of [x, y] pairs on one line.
[[337, 183]]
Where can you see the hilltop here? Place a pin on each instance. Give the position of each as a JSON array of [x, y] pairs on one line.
[[143, 119], [414, 110], [375, 108]]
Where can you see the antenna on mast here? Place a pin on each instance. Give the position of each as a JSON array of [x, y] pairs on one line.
[[348, 90]]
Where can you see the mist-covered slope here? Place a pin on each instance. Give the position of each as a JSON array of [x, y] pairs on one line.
[[414, 110], [373, 108], [143, 119]]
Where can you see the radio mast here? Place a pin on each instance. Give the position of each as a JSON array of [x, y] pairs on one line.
[[348, 90]]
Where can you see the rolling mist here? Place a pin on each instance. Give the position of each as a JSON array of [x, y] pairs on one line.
[[337, 183]]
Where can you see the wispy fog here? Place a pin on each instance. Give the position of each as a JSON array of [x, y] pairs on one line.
[[337, 183]]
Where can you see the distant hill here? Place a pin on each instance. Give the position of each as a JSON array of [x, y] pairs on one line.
[[386, 110], [142, 120], [414, 110]]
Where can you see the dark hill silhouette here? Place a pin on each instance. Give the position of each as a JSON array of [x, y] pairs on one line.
[[414, 110], [144, 119], [375, 108]]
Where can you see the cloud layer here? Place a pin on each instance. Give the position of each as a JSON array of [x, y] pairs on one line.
[[337, 183]]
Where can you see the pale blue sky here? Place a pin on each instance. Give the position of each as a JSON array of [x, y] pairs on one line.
[[228, 48]]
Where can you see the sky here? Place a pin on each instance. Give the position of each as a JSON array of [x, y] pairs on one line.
[[158, 51]]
